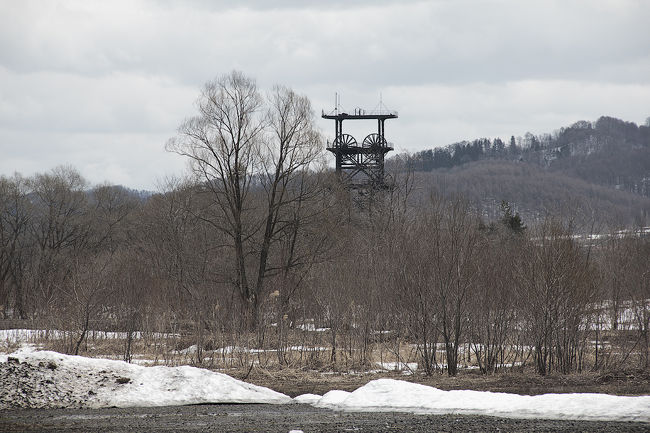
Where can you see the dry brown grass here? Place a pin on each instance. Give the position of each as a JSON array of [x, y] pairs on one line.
[[295, 382]]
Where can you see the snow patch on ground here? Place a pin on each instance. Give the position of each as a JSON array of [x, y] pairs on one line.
[[311, 328], [389, 395], [407, 368], [228, 350], [17, 336], [51, 379]]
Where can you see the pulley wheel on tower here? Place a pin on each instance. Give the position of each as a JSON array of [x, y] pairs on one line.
[[374, 141], [345, 140]]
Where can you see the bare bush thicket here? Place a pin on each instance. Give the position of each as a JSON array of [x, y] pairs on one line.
[[493, 306], [347, 287]]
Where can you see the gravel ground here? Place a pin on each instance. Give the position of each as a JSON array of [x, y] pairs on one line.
[[282, 418]]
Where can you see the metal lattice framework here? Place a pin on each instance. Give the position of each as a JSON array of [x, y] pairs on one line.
[[360, 165]]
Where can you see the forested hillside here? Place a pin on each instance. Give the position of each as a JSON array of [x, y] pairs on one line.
[[589, 171], [537, 193]]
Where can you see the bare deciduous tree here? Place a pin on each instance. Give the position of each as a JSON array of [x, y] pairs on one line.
[[243, 151], [15, 216]]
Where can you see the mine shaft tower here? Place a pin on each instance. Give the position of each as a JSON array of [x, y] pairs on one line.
[[360, 165]]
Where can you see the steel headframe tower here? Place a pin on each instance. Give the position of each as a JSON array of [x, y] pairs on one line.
[[360, 165]]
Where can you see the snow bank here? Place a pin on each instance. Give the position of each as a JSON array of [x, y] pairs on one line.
[[107, 383], [333, 399], [49, 379], [384, 395]]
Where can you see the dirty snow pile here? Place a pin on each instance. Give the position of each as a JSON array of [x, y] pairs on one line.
[[389, 395], [30, 378], [41, 379]]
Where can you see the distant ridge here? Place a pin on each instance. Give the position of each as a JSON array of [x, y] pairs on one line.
[[589, 171]]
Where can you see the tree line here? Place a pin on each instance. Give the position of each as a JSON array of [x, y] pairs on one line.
[[261, 245]]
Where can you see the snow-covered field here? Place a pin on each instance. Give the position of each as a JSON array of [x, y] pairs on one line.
[[629, 315]]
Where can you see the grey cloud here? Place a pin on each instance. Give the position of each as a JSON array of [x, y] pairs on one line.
[[114, 103], [416, 43], [219, 5], [135, 160], [90, 77]]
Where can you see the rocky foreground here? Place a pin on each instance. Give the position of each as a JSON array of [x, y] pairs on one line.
[[48, 384]]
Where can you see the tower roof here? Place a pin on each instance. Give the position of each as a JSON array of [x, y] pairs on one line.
[[360, 114]]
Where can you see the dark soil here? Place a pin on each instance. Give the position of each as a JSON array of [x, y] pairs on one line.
[[282, 418]]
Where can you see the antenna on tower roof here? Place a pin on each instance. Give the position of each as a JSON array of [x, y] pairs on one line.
[[380, 108]]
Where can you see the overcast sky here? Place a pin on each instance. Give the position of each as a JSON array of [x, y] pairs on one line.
[[103, 85]]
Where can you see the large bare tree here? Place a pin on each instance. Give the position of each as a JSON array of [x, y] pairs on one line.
[[251, 155]]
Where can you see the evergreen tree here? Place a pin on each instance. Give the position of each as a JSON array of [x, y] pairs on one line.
[[510, 220], [512, 149], [498, 147]]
